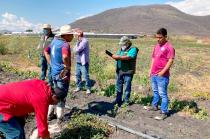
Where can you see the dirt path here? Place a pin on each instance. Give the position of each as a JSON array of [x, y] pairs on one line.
[[133, 116]]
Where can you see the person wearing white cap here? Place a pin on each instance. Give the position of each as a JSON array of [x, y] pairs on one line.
[[45, 40], [58, 55]]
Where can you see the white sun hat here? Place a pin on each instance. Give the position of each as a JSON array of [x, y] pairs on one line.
[[66, 29], [46, 26]]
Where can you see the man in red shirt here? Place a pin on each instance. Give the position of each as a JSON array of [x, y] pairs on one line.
[[20, 98], [162, 59]]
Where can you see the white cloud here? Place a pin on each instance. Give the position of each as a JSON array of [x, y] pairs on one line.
[[14, 23], [193, 7], [84, 16]]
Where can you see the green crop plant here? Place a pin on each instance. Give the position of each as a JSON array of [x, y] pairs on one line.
[[201, 114], [25, 74], [3, 49], [138, 98], [177, 105], [86, 126]]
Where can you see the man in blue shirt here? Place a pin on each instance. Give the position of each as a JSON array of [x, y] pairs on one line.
[[59, 56], [126, 65]]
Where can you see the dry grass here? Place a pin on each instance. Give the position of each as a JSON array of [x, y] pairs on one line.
[[189, 74]]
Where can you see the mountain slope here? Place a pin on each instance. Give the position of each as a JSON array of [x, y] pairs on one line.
[[147, 19]]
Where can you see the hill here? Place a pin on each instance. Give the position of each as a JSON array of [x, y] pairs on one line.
[[146, 19]]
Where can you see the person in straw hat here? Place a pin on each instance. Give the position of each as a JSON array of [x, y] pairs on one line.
[[45, 40], [58, 55]]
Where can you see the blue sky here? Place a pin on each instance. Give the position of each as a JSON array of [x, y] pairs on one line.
[[23, 14]]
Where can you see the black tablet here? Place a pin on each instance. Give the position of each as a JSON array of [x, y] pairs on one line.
[[108, 53]]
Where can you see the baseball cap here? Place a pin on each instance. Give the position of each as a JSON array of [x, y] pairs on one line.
[[124, 40]]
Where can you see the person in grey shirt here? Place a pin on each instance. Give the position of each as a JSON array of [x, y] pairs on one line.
[[45, 40], [81, 50]]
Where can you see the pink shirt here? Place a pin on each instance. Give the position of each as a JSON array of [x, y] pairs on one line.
[[161, 55], [21, 98]]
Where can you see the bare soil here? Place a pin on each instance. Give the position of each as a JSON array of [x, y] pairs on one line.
[[134, 116]]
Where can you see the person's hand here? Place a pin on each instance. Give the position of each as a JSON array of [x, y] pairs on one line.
[[161, 73], [65, 74], [116, 57]]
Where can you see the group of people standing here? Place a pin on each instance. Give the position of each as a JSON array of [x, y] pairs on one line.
[[47, 100]]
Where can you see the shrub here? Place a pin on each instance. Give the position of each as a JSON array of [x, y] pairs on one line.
[[3, 49]]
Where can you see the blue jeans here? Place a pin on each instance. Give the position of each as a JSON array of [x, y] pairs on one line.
[[12, 129], [64, 85], [159, 87], [122, 79], [44, 68], [82, 69]]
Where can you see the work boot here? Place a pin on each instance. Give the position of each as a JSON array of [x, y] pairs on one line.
[[151, 108], [162, 116], [51, 113], [60, 113], [88, 92]]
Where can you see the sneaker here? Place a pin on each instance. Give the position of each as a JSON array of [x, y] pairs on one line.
[[77, 89], [161, 116], [88, 92], [151, 108]]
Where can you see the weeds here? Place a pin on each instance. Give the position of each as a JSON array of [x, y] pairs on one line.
[[109, 91], [201, 115], [137, 98], [189, 107], [124, 112], [3, 50], [172, 87], [86, 126], [25, 74], [177, 105]]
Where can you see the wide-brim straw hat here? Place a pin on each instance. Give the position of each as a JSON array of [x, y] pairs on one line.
[[46, 26], [66, 29]]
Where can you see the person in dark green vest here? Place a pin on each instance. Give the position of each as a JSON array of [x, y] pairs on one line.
[[125, 69]]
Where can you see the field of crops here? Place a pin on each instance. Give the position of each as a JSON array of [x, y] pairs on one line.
[[190, 76]]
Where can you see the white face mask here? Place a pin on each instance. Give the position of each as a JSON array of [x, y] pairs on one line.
[[123, 47]]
